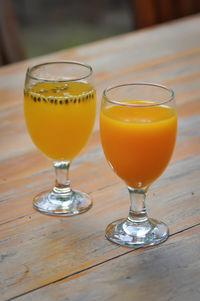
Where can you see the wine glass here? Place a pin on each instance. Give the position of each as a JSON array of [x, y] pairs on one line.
[[59, 109], [138, 125]]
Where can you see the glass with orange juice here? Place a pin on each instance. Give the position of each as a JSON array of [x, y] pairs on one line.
[[59, 109], [138, 125]]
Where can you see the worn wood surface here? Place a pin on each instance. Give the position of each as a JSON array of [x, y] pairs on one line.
[[162, 273], [51, 258]]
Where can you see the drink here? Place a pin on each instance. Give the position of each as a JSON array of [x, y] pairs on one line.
[[60, 117], [138, 141], [59, 109], [138, 131]]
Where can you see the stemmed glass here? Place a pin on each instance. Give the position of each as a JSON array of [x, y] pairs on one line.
[[59, 109], [138, 125]]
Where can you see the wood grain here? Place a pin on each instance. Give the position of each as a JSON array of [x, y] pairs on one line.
[[70, 245], [88, 172], [169, 272], [36, 250]]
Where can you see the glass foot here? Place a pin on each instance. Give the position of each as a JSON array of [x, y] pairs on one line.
[[71, 203], [137, 234]]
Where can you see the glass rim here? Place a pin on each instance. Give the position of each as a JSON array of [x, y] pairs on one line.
[[138, 84], [30, 68]]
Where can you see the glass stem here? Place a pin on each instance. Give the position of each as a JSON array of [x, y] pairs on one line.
[[137, 212], [62, 185]]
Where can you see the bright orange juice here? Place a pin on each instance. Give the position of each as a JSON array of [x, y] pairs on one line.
[[138, 141], [60, 117]]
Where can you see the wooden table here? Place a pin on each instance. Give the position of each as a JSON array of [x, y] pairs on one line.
[[47, 258]]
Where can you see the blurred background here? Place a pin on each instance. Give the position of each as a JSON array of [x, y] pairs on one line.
[[51, 25], [33, 28]]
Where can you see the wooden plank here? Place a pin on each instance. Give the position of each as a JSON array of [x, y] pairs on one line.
[[170, 271], [53, 248], [89, 171]]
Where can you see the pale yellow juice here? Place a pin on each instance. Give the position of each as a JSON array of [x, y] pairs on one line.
[[60, 117]]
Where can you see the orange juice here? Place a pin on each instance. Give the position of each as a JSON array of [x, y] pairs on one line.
[[60, 116], [138, 141]]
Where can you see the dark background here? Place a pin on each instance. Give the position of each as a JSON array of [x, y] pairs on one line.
[[50, 25], [30, 28]]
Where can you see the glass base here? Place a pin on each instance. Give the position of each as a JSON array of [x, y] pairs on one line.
[[67, 204], [125, 232]]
